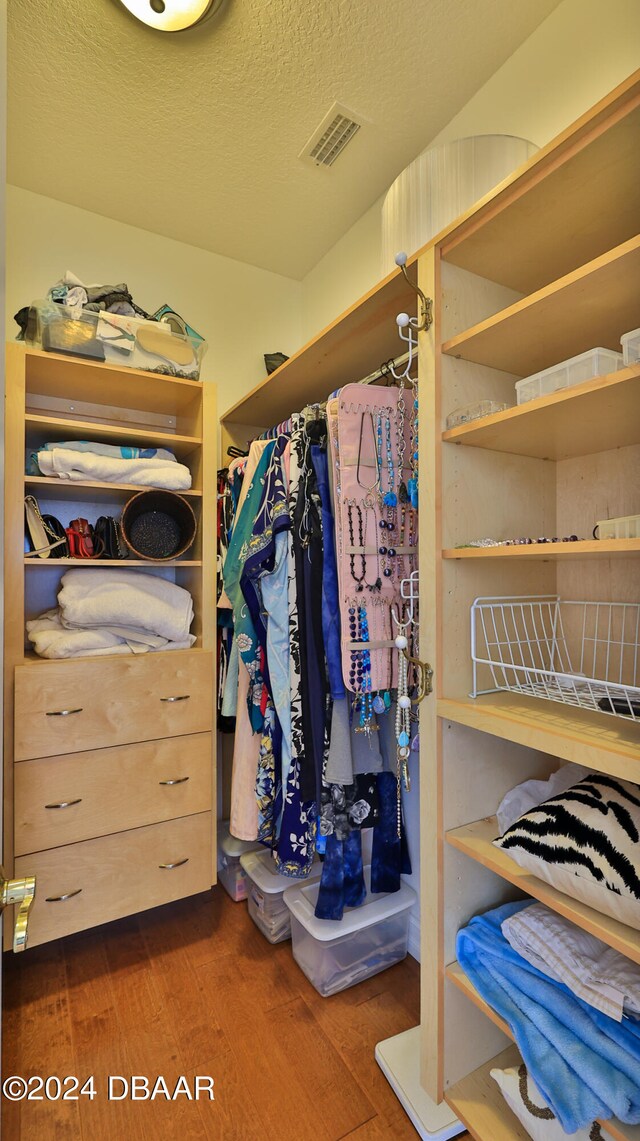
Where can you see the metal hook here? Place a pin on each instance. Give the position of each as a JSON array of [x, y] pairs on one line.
[[426, 304]]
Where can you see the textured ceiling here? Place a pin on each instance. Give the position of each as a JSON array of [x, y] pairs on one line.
[[196, 135]]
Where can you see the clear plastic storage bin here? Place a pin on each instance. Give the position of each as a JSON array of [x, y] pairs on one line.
[[266, 895], [367, 940], [624, 527], [475, 411], [586, 366], [128, 342], [231, 874], [630, 347]]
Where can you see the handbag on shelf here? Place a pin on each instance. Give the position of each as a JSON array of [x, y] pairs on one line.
[[45, 534], [83, 542], [107, 529]]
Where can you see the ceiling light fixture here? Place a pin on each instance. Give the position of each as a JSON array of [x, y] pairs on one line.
[[172, 15]]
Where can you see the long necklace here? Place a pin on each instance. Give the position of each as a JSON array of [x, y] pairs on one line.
[[412, 486], [359, 579], [402, 722], [403, 494]]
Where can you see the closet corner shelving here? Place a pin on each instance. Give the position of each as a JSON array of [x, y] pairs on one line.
[[139, 769], [545, 267]]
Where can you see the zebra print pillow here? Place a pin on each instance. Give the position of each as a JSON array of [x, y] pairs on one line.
[[585, 843]]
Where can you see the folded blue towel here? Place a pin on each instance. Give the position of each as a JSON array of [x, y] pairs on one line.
[[585, 1064]]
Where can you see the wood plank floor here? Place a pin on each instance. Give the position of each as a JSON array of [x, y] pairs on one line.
[[194, 988]]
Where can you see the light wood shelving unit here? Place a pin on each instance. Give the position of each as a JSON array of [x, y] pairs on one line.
[[544, 267], [124, 828]]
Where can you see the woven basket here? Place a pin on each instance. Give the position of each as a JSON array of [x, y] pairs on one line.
[[158, 525]]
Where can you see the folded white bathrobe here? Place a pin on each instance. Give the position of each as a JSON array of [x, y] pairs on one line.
[[127, 602], [64, 463]]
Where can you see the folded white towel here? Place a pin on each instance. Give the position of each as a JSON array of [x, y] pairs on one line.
[[593, 971], [129, 600], [64, 463], [50, 639]]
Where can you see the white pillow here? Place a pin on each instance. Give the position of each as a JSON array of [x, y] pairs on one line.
[[525, 1100], [531, 793], [585, 843]]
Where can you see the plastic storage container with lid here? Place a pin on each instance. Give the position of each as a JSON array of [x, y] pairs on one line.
[[586, 366], [230, 871], [266, 895], [367, 940], [126, 342], [631, 347], [624, 527]]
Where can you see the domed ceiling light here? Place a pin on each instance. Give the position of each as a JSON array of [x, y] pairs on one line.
[[172, 15]]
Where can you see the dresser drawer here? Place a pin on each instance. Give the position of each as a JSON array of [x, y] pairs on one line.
[[61, 800], [116, 875], [89, 703]]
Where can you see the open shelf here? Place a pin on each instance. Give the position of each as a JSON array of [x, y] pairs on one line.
[[609, 744], [525, 234], [591, 306], [595, 416], [73, 379], [57, 428], [470, 1093], [584, 549], [116, 564], [47, 488], [477, 1102], [475, 840], [455, 974], [350, 348]]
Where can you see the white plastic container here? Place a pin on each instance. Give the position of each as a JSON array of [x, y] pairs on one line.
[[624, 527], [367, 940], [266, 895], [230, 871], [586, 366], [630, 347]]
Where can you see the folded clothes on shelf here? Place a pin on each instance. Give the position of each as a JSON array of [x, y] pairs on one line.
[[64, 463], [130, 599], [116, 451], [109, 611], [585, 1064], [50, 639], [590, 969]]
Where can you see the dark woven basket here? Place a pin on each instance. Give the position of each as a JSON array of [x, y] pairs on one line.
[[158, 525]]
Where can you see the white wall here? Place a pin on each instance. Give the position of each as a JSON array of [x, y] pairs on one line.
[[573, 59], [242, 311]]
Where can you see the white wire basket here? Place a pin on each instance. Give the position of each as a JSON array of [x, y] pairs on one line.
[[583, 654]]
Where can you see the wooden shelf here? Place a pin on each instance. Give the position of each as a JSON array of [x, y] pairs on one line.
[[525, 234], [592, 306], [116, 564], [549, 552], [609, 744], [475, 840], [350, 348], [595, 416], [71, 378], [56, 428], [480, 1125], [476, 1100], [47, 488]]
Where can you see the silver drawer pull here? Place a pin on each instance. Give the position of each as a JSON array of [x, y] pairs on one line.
[[178, 780], [63, 712], [65, 803], [61, 898], [182, 697], [178, 864]]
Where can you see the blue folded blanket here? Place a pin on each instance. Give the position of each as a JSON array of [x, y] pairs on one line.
[[585, 1064]]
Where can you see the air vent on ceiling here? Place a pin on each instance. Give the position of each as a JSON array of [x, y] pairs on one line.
[[331, 137]]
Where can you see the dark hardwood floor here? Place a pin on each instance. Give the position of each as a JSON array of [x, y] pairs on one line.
[[194, 988]]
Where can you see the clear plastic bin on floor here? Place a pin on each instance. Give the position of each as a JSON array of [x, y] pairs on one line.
[[231, 874], [367, 940], [266, 895]]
